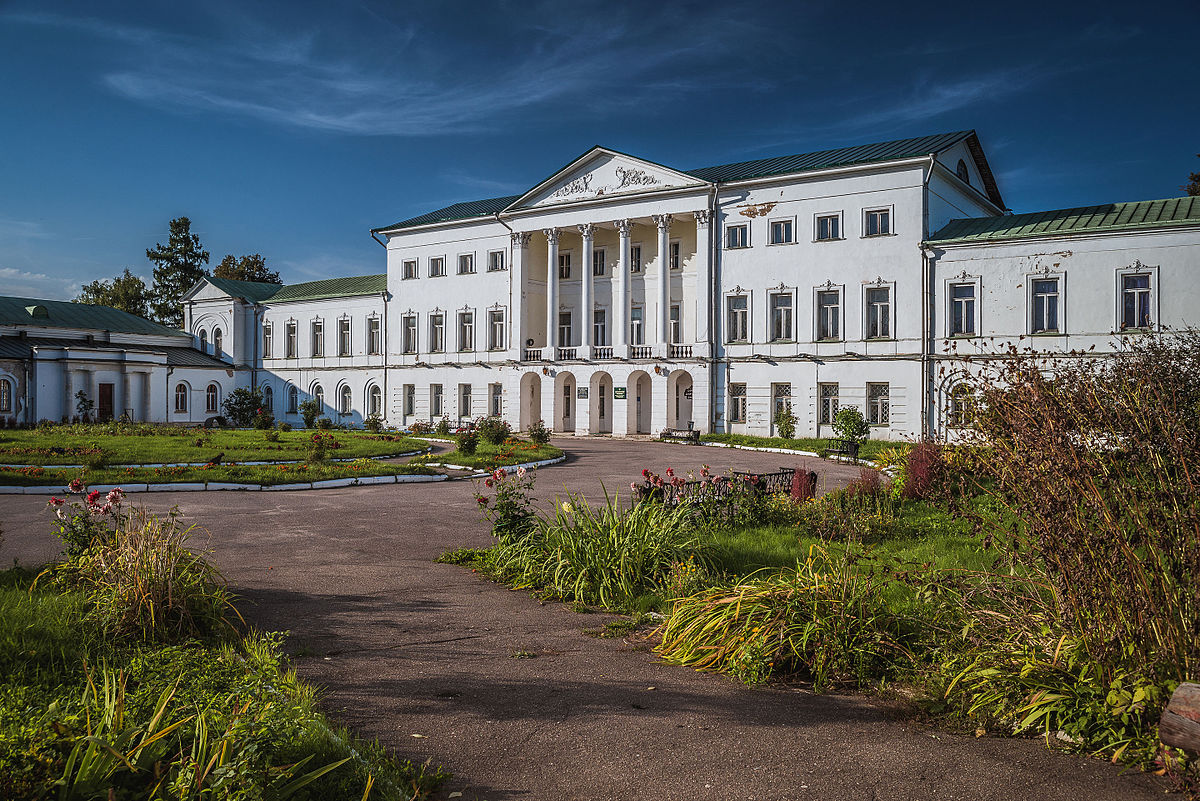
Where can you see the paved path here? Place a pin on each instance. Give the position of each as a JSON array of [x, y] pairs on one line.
[[409, 647]]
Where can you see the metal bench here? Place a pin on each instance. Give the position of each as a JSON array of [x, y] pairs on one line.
[[844, 447], [689, 435]]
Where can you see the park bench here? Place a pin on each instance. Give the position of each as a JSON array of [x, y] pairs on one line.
[[844, 447], [688, 435]]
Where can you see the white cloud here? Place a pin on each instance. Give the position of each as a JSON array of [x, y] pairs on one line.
[[26, 284]]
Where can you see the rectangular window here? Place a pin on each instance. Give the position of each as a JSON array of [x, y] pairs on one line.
[[635, 258], [464, 401], [781, 398], [1045, 306], [497, 396], [268, 340], [829, 226], [318, 339], [564, 265], [737, 403], [564, 329], [738, 311], [781, 316], [829, 314], [828, 396], [410, 399], [410, 333], [466, 331], [496, 330], [410, 268], [879, 313], [435, 400], [344, 337], [495, 261], [962, 310], [293, 400], [1135, 301], [374, 336], [635, 326], [781, 232], [676, 333], [877, 222], [737, 236], [676, 261], [437, 333], [437, 266], [291, 339], [878, 407], [600, 328], [598, 262], [466, 263]]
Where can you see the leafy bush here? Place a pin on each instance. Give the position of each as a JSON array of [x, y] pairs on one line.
[[511, 512], [419, 427], [494, 430], [285, 426], [442, 429], [324, 423], [467, 442], [849, 424], [309, 410], [373, 423], [785, 421], [92, 520], [243, 405], [271, 436], [924, 470], [538, 433], [264, 420]]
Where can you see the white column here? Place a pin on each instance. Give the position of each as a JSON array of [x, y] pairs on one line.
[[586, 304], [620, 332], [69, 390], [663, 221], [704, 277], [551, 293], [518, 325]]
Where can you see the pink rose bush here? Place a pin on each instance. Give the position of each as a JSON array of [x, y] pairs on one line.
[[80, 524]]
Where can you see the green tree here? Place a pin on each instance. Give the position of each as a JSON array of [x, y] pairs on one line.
[[247, 268], [180, 264], [1192, 187], [126, 292]]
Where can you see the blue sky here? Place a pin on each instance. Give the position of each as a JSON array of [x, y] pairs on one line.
[[291, 129]]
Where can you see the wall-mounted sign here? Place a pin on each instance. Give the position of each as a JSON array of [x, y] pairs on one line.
[[581, 393], [618, 393]]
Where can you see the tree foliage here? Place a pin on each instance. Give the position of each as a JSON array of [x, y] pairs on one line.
[[126, 292], [1192, 187], [179, 265], [247, 268]]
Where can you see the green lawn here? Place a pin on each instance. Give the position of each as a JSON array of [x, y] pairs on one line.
[[116, 444], [869, 449], [269, 475]]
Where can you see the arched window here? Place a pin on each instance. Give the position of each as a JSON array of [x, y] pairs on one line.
[[346, 404], [268, 400], [293, 400], [961, 410], [218, 340], [6, 396], [375, 401], [203, 341], [212, 398], [961, 171], [181, 397], [319, 395]]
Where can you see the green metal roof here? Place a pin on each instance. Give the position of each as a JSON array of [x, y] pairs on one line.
[[762, 168], [332, 288], [1142, 214], [65, 314], [253, 291]]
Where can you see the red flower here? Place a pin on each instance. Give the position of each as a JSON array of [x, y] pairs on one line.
[[670, 472], [93, 497], [645, 472], [76, 485], [56, 502]]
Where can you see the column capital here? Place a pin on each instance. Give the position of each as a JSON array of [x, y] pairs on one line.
[[520, 239], [552, 235], [663, 221], [623, 226], [587, 229], [702, 217]]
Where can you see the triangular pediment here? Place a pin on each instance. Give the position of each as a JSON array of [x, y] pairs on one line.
[[603, 173]]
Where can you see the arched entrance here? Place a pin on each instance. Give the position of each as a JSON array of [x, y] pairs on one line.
[[531, 400], [564, 402], [640, 402], [679, 399], [600, 419]]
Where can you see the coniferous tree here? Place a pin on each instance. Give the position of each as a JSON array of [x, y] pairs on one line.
[[1193, 185], [126, 292], [180, 264], [247, 268]]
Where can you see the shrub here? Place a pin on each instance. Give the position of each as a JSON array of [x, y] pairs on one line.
[[511, 511], [373, 423], [88, 522], [442, 429], [538, 433], [467, 442], [494, 430], [271, 436], [264, 420], [804, 485], [420, 427], [324, 423], [309, 410], [285, 426], [785, 421], [318, 448], [923, 471], [243, 405], [849, 424]]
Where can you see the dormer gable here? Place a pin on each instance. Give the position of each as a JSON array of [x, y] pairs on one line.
[[601, 173]]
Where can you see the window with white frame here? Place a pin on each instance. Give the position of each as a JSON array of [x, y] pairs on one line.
[[1135, 301], [203, 341], [676, 333], [374, 336], [1044, 311], [737, 236], [212, 399], [290, 344], [466, 331], [600, 327], [783, 231], [497, 400], [410, 399], [878, 405], [564, 265], [781, 399], [879, 312], [268, 342], [409, 268], [828, 227], [636, 329], [435, 400], [673, 252], [319, 395], [318, 338], [218, 342], [962, 310], [598, 259], [437, 266], [466, 263], [829, 314], [293, 400], [437, 333], [346, 400], [960, 413], [495, 261], [737, 403], [344, 336], [737, 313], [827, 397], [877, 222], [181, 397], [496, 329], [374, 401], [635, 258], [781, 316], [564, 329], [269, 399], [410, 333], [6, 396], [464, 401]]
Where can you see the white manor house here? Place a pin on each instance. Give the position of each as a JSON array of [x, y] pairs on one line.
[[620, 296]]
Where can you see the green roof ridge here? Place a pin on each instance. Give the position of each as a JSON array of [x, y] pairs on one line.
[[348, 286], [68, 314]]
